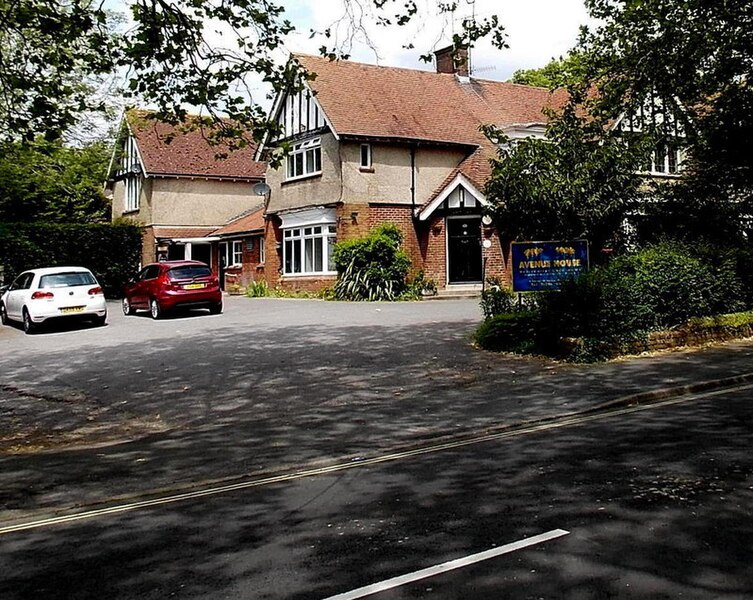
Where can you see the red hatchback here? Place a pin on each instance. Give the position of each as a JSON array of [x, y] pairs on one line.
[[161, 287]]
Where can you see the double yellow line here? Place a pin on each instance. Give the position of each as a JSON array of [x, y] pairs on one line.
[[352, 464]]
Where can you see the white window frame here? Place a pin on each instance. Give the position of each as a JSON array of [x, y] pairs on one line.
[[304, 160], [262, 251], [132, 179], [299, 249], [660, 163], [132, 193], [368, 163], [232, 252]]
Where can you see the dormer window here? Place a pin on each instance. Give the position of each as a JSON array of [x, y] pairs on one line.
[[366, 156], [305, 159]]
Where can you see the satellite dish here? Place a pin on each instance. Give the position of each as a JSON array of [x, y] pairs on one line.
[[486, 220], [261, 189]]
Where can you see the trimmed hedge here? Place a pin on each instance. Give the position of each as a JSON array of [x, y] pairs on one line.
[[615, 308], [111, 251]]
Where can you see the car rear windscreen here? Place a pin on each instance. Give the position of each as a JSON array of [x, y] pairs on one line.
[[189, 272], [59, 280]]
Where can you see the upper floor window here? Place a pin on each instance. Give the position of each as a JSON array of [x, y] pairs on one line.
[[665, 160], [365, 156], [131, 169], [305, 159], [132, 192]]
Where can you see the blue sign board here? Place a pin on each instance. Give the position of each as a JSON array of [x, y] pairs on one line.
[[541, 266]]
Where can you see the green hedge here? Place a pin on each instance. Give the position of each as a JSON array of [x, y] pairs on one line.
[[111, 251], [661, 287]]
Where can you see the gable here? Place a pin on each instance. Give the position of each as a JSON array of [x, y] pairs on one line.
[[459, 193]]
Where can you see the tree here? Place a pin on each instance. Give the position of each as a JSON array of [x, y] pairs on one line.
[[696, 59], [53, 53], [46, 181], [559, 72], [578, 182]]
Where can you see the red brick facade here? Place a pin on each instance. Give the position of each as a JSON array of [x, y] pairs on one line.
[[424, 241]]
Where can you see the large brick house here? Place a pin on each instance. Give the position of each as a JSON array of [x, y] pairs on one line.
[[372, 144], [193, 198]]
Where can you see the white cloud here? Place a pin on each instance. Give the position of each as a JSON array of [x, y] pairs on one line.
[[537, 30]]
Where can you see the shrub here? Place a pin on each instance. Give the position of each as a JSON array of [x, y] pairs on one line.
[[497, 300], [511, 332], [419, 287], [662, 286], [111, 251], [372, 267]]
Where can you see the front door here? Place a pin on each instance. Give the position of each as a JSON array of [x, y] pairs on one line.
[[464, 249]]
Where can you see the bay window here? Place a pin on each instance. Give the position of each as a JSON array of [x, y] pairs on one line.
[[308, 250]]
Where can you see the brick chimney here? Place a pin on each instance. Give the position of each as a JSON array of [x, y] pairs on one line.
[[446, 64]]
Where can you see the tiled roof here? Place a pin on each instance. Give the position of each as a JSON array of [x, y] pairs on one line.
[[189, 153], [251, 220], [182, 232], [389, 102]]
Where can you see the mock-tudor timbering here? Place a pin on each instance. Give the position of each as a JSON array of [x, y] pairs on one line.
[[373, 144], [175, 184]]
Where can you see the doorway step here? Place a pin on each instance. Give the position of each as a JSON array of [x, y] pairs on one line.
[[457, 292]]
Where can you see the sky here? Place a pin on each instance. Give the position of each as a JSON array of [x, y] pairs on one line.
[[537, 30]]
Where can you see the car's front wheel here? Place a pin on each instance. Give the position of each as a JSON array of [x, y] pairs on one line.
[[3, 314], [127, 308], [29, 325], [154, 309]]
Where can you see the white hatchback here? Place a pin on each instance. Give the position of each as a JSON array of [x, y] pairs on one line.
[[56, 292]]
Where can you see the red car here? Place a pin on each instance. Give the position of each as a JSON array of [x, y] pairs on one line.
[[164, 286]]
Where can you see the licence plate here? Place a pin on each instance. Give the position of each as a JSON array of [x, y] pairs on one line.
[[72, 309], [194, 286]]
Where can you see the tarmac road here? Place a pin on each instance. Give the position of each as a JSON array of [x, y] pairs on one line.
[[647, 502], [272, 386]]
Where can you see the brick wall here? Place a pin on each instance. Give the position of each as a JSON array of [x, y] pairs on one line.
[[148, 246]]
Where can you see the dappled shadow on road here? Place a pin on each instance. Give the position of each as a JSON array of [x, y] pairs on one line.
[[243, 405], [655, 511]]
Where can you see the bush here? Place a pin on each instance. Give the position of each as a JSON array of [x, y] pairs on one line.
[[662, 286], [372, 267], [111, 251], [511, 332], [497, 300]]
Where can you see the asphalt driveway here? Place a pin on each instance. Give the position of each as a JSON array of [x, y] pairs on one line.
[[273, 384]]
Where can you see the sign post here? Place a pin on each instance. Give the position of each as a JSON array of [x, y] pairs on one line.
[[542, 266]]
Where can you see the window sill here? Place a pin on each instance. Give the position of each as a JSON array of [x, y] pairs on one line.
[[309, 275], [132, 211], [366, 169], [301, 178]]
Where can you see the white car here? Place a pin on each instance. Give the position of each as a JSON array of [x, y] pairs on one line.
[[53, 293]]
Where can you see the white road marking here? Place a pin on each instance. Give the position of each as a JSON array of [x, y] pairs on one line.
[[356, 464], [389, 584]]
